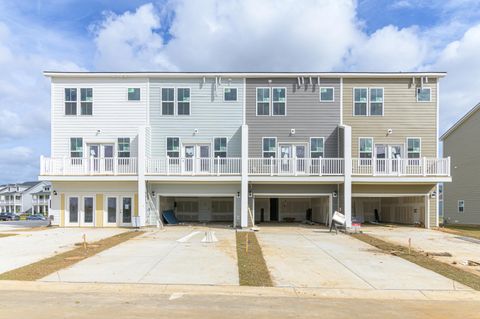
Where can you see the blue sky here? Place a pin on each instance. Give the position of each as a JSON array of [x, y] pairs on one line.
[[222, 35]]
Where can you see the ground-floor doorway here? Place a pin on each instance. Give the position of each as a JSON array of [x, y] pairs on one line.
[[199, 208]]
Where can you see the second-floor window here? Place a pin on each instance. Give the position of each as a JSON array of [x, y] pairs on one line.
[[230, 94], [376, 101], [360, 101], [183, 97], [123, 147], [424, 95], [70, 101], [86, 101], [366, 148], [279, 101], [413, 148], [173, 146], [269, 147], [168, 101], [133, 94], [263, 101], [220, 147], [316, 147], [76, 147], [326, 94]]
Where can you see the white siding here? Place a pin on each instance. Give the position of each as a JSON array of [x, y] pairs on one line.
[[208, 113], [113, 114]]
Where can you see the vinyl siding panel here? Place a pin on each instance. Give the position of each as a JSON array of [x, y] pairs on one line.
[[305, 113], [208, 113], [402, 113], [463, 148], [113, 114]]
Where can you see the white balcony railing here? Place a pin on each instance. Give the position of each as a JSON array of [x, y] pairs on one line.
[[295, 166], [401, 166], [88, 166], [194, 166]]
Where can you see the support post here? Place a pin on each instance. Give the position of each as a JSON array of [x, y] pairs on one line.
[[244, 183], [347, 198], [142, 196]]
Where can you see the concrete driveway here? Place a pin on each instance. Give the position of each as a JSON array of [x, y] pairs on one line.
[[313, 258], [31, 246], [461, 248], [176, 255]]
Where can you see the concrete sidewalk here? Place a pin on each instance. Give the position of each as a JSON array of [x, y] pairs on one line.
[[31, 246], [55, 300], [158, 257], [303, 257], [433, 241]]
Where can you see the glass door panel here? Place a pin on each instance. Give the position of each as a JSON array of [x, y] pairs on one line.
[[87, 211], [126, 210], [112, 210], [189, 154], [285, 158], [204, 157], [73, 209], [300, 151], [380, 159], [107, 150], [94, 151]]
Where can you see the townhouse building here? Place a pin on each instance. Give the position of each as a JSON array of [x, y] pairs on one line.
[[20, 198], [230, 147]]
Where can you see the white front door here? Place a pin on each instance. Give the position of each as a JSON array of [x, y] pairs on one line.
[[204, 157], [126, 210], [72, 217], [107, 154], [111, 213], [102, 157], [87, 213]]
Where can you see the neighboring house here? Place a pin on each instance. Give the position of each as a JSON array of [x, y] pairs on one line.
[[210, 146], [41, 200], [462, 196], [17, 198]]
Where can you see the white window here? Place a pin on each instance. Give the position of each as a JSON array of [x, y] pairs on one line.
[[183, 101], [86, 101], [360, 101], [424, 95], [168, 101], [279, 101], [263, 101], [220, 147], [123, 147], [413, 147], [70, 101], [269, 147], [230, 94], [327, 94], [76, 147], [316, 147], [461, 206], [133, 94], [366, 147], [173, 146], [376, 101]]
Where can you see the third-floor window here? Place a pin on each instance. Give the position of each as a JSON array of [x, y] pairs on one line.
[[86, 101], [368, 101], [70, 101], [176, 106], [168, 101], [272, 101]]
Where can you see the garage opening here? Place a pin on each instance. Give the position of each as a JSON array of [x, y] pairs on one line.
[[407, 210], [199, 209], [291, 208]]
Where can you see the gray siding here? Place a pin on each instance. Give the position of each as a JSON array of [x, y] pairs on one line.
[[208, 113], [463, 148], [305, 113]]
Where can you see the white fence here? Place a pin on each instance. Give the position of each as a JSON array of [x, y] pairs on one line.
[[194, 166], [75, 166], [401, 166], [295, 166]]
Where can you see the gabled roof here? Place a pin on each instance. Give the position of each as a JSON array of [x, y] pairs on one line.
[[460, 121]]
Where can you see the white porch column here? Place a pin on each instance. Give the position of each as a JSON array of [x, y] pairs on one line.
[[347, 152], [141, 176], [244, 186]]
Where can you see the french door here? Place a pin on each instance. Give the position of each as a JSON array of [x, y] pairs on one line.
[[287, 153], [126, 210], [102, 157], [385, 156], [111, 211], [196, 158], [80, 211]]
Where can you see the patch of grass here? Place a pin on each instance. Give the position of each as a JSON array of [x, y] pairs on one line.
[[50, 265], [444, 269], [252, 268], [462, 230], [6, 235]]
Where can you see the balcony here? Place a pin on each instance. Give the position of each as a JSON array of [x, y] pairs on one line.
[[296, 166], [437, 167], [77, 166], [187, 166]]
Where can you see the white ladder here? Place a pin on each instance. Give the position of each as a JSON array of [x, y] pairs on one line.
[[153, 215]]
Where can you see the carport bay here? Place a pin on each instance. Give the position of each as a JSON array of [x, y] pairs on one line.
[[198, 202], [395, 203]]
